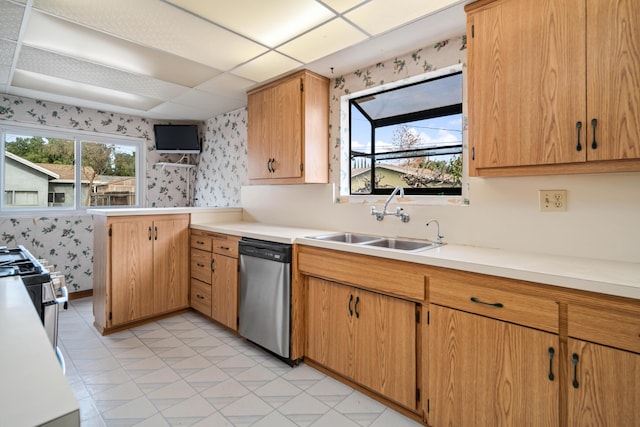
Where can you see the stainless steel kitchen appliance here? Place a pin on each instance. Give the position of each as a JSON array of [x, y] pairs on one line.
[[19, 261], [265, 296]]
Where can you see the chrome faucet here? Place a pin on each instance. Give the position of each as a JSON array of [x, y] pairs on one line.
[[438, 236], [399, 211]]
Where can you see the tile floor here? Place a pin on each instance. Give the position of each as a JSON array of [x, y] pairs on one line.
[[188, 371]]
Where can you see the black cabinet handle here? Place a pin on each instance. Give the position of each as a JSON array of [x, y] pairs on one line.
[[579, 128], [213, 262], [356, 307], [551, 353], [199, 242], [473, 153], [149, 232], [574, 360], [200, 265], [199, 296], [492, 304], [156, 233], [594, 124], [349, 306]]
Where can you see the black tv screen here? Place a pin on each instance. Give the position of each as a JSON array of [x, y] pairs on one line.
[[177, 138]]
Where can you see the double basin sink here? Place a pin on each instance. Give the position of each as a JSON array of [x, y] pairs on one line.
[[407, 245]]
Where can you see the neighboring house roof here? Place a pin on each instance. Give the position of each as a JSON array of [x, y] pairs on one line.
[[66, 173], [31, 165], [423, 172]]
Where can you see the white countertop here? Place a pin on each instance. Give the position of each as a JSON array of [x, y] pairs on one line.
[[607, 277], [33, 390]]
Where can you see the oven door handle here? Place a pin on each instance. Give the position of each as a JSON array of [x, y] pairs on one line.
[[64, 299]]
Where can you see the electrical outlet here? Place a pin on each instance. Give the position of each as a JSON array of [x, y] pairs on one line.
[[553, 200]]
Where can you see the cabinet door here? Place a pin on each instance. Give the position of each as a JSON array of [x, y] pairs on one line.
[[606, 391], [330, 325], [485, 372], [613, 73], [171, 263], [286, 145], [260, 110], [131, 293], [224, 291], [526, 83], [385, 347]]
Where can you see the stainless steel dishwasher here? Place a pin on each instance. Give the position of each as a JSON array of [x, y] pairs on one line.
[[265, 295]]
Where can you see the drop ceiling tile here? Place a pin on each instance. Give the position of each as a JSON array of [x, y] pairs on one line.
[[5, 72], [205, 101], [227, 85], [43, 62], [160, 25], [10, 20], [267, 66], [71, 89], [325, 40], [56, 35], [268, 22], [7, 51], [342, 6], [174, 111], [379, 16]]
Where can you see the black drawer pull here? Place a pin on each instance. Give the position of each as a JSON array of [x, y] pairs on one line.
[[224, 248], [199, 296], [492, 304], [349, 306], [551, 353], [200, 265], [594, 123], [200, 243], [574, 360], [355, 307], [579, 127]]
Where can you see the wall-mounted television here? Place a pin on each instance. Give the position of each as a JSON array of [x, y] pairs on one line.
[[180, 139]]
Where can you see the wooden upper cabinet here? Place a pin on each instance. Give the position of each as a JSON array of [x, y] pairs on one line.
[[613, 79], [288, 130], [539, 73]]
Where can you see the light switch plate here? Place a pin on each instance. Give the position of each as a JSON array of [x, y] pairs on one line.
[[553, 200]]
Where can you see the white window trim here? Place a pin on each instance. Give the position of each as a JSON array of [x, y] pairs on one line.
[[345, 197], [78, 136]]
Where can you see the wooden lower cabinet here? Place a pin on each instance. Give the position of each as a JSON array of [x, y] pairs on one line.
[[141, 268], [224, 291], [366, 337], [485, 372], [214, 276]]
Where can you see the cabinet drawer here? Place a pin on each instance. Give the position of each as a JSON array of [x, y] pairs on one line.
[[201, 265], [226, 245], [201, 297], [536, 312], [201, 240], [605, 326]]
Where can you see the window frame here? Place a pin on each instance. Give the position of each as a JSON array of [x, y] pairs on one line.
[[78, 137], [436, 197]]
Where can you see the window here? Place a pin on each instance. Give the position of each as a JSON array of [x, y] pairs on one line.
[[408, 136], [51, 169]]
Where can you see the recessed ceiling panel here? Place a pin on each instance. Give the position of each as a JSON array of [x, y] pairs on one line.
[[325, 40], [265, 67], [160, 25], [10, 20], [69, 39], [43, 62], [68, 88], [269, 22], [379, 16]]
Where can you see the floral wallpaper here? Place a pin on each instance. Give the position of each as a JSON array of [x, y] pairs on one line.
[[221, 168], [67, 240]]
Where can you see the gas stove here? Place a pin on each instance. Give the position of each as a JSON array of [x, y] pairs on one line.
[[18, 261]]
